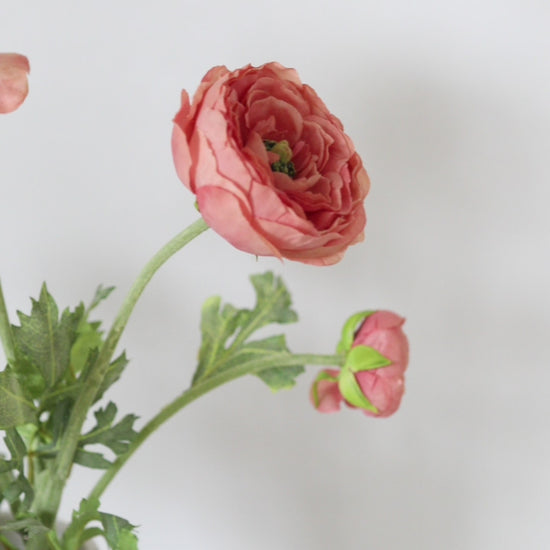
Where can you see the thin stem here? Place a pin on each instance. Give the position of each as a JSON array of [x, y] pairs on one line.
[[48, 496], [6, 335], [205, 386]]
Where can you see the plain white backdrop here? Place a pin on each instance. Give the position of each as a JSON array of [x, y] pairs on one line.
[[447, 102]]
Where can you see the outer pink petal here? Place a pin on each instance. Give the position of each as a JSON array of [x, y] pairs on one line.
[[14, 85], [382, 331], [229, 217], [384, 393], [180, 144]]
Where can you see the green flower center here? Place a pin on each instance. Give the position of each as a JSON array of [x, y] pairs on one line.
[[283, 149]]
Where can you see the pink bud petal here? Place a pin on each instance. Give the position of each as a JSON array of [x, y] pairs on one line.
[[14, 85], [325, 394]]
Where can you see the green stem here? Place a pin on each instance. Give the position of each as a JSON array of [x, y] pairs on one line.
[[204, 386], [6, 335], [48, 495]]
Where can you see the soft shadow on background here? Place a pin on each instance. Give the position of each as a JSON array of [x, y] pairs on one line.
[[448, 107]]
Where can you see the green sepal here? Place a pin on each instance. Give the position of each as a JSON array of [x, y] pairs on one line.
[[361, 358], [349, 330], [323, 375], [351, 391]]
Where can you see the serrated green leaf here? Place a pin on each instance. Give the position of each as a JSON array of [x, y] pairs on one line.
[[6, 334], [273, 301], [29, 375], [113, 374], [5, 466], [91, 460], [100, 294], [76, 534], [226, 330], [115, 436], [277, 378], [15, 444], [19, 486], [15, 407], [361, 358], [218, 324], [32, 526], [118, 532], [44, 339]]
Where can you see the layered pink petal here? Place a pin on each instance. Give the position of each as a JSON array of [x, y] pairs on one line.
[[307, 206]]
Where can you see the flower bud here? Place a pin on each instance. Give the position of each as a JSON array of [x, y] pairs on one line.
[[373, 375], [372, 378], [14, 86], [325, 394]]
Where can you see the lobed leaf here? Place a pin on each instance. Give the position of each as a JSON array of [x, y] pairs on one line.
[[226, 331]]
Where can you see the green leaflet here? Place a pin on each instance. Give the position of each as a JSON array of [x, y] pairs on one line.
[[116, 530], [43, 340], [226, 331], [16, 408], [115, 436]]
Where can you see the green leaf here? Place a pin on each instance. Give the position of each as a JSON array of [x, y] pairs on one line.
[[226, 330], [273, 302], [100, 294], [16, 446], [218, 324], [277, 378], [118, 532], [89, 337], [74, 535], [113, 374], [44, 340], [6, 335], [19, 486], [15, 408], [91, 460], [362, 358], [31, 526], [116, 437]]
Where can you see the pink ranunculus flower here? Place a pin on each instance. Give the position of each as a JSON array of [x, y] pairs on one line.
[[325, 395], [384, 386], [272, 169], [14, 85]]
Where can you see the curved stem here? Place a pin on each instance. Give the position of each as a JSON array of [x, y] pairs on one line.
[[48, 496], [204, 386]]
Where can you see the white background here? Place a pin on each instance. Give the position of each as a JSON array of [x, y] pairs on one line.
[[447, 102]]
